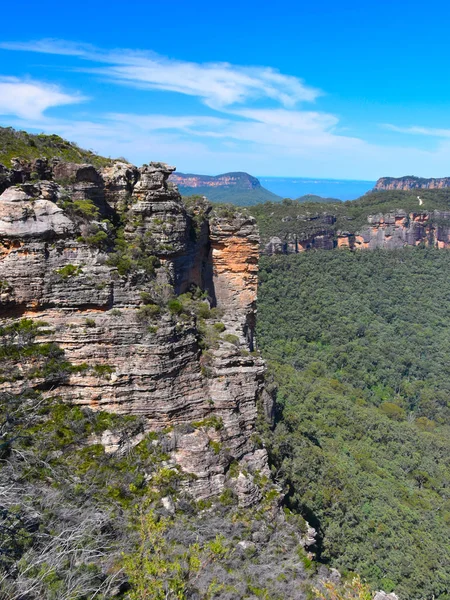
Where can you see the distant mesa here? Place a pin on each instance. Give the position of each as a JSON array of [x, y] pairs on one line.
[[237, 179], [410, 182], [236, 188]]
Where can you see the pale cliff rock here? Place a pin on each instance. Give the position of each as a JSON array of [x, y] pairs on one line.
[[119, 180], [411, 183], [399, 229], [388, 231], [384, 596], [151, 367], [30, 213]]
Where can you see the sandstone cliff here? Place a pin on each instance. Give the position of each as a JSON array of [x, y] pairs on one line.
[[411, 183], [391, 230], [241, 180], [101, 257], [399, 229]]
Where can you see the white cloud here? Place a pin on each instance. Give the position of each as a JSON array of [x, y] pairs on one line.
[[416, 130], [217, 84], [196, 125], [290, 119], [186, 142], [258, 126], [30, 99]]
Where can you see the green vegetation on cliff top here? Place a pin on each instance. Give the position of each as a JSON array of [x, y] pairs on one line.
[[238, 188], [302, 218], [28, 146], [308, 198]]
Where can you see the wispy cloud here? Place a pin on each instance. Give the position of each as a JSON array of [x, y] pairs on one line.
[[417, 130], [261, 121], [30, 99], [216, 84]]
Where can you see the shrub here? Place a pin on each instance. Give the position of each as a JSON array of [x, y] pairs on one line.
[[4, 286], [216, 446], [350, 590], [175, 306], [231, 338], [203, 311], [209, 422], [98, 239], [146, 298], [103, 370], [86, 208], [69, 271], [148, 311]]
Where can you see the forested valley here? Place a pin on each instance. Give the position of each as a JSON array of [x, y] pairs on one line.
[[358, 346]]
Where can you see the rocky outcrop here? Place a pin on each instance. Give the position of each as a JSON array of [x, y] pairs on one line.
[[107, 289], [411, 183], [389, 231], [399, 229], [293, 243], [384, 596], [234, 259], [317, 233]]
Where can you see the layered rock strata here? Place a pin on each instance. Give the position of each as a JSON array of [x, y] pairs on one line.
[[399, 229], [108, 306], [411, 183], [389, 231]]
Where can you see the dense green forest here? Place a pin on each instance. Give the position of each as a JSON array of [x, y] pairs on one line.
[[359, 348]]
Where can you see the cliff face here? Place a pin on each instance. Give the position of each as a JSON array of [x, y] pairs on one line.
[[242, 180], [100, 257], [389, 231], [411, 183], [399, 229]]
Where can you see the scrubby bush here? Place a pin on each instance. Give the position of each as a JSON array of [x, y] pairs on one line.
[[86, 209], [148, 311], [69, 271], [231, 339], [175, 306]]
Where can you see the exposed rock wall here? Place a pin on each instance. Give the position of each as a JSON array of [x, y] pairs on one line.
[[399, 229], [411, 183], [234, 259], [130, 361], [243, 180], [389, 231]]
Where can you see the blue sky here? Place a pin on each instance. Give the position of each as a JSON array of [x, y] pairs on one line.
[[352, 90]]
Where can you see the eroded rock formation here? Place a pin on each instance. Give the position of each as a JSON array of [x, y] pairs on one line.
[[411, 183], [99, 257], [399, 229], [389, 231]]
